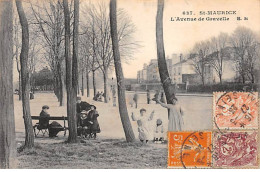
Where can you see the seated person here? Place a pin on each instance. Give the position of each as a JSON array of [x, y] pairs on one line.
[[54, 128], [44, 112], [44, 118], [100, 97], [96, 96], [80, 106], [159, 132], [83, 129]]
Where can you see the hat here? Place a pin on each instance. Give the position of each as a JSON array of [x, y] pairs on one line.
[[93, 106], [159, 121], [173, 97], [141, 110], [45, 107], [84, 112]]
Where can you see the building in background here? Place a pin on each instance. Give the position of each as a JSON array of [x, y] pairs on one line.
[[150, 72]]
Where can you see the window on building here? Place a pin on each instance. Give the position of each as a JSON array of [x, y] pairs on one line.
[[179, 70]]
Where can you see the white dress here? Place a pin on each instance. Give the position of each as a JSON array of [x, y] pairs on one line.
[[175, 117], [144, 130]]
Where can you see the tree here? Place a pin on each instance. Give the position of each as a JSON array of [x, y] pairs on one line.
[[199, 59], [129, 134], [71, 102], [218, 48], [7, 125], [75, 48], [50, 22], [85, 56], [17, 45], [253, 53], [243, 41], [29, 136], [99, 31], [162, 65]]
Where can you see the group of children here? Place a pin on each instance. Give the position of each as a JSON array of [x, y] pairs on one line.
[[175, 121]]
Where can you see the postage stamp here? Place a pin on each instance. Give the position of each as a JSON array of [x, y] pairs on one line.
[[189, 149], [235, 110], [235, 149]]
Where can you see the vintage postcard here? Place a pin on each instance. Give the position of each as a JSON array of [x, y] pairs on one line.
[[129, 84]]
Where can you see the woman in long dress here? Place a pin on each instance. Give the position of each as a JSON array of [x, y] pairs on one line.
[[143, 125], [92, 119], [175, 114]]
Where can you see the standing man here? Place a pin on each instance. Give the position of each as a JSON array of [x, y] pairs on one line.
[[135, 98], [80, 106], [113, 94], [148, 96]]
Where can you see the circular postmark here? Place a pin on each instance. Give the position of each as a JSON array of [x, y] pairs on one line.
[[196, 150], [236, 110]]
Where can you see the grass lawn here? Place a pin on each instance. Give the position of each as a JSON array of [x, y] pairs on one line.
[[106, 153]]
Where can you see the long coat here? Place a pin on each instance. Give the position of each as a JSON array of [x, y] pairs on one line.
[[44, 114], [175, 117], [92, 116]]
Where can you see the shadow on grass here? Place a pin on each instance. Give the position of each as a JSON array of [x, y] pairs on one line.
[[106, 153]]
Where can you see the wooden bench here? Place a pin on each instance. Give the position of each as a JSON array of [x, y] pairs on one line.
[[55, 118]]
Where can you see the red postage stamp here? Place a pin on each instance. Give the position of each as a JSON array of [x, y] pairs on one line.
[[238, 110], [235, 149], [189, 149]]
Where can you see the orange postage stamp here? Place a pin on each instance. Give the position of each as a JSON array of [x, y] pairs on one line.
[[237, 110], [189, 149]]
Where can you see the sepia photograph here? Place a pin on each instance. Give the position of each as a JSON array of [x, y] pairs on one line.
[[129, 84]]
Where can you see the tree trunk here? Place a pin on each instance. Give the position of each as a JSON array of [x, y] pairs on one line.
[[82, 82], [243, 78], [75, 80], [105, 85], [71, 103], [220, 78], [129, 134], [20, 86], [60, 85], [61, 91], [94, 82], [78, 89], [7, 125], [87, 78], [164, 74], [29, 135], [203, 79], [252, 78], [56, 90], [75, 48]]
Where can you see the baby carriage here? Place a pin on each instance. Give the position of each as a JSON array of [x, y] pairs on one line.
[[85, 130]]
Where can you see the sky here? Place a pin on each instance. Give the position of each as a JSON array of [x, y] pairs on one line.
[[179, 37]]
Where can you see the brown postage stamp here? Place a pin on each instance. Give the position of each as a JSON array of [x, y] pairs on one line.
[[236, 149]]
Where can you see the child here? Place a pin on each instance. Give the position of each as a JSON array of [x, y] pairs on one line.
[[83, 127], [92, 120], [158, 135], [143, 124]]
